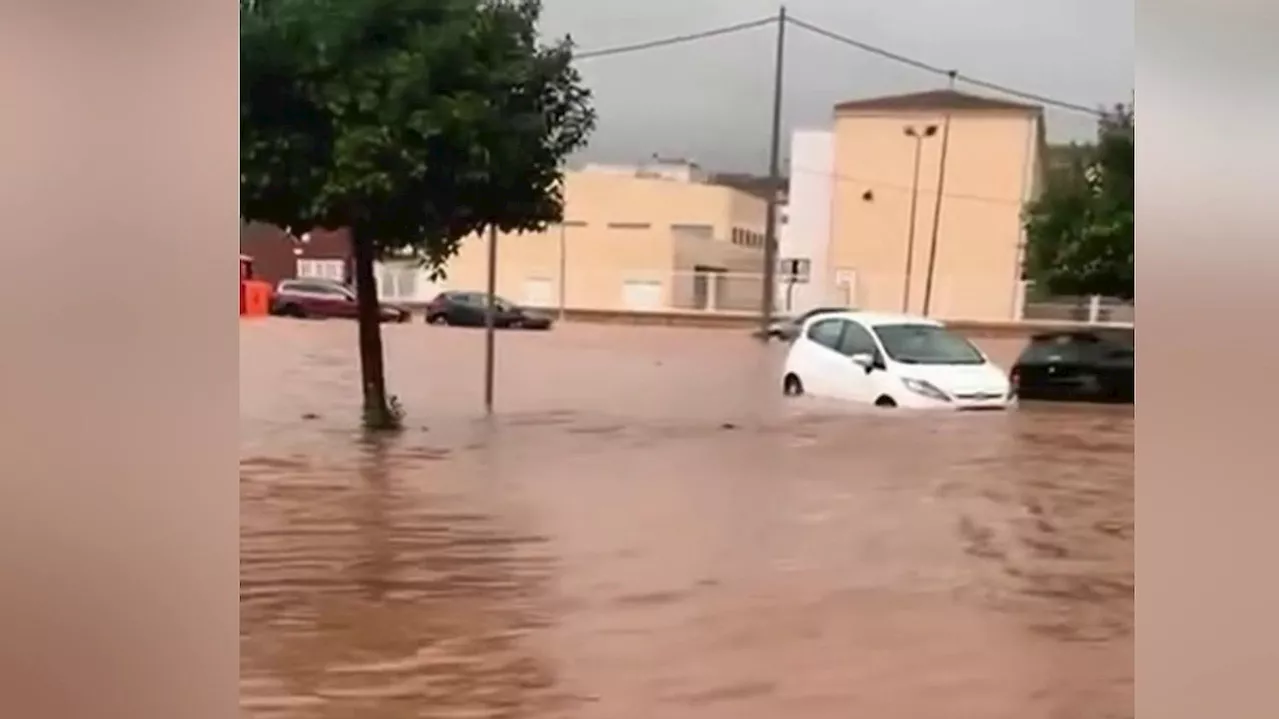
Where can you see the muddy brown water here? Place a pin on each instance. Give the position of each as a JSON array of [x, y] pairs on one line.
[[648, 530]]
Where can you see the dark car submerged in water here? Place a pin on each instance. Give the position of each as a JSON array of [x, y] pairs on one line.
[[468, 309], [1076, 365]]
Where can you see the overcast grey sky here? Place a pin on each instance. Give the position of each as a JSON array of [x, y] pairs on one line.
[[710, 100]]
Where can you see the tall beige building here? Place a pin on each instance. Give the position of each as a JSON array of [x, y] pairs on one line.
[[852, 196], [994, 152]]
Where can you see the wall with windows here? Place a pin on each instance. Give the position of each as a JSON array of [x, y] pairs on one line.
[[710, 274], [278, 255], [618, 246]]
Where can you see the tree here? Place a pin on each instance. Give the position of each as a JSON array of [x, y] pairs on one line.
[[1080, 230], [411, 123]]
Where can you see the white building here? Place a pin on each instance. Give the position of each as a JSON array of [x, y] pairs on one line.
[[806, 230]]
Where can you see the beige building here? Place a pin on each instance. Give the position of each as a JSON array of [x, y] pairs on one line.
[[648, 237], [994, 152], [861, 199]]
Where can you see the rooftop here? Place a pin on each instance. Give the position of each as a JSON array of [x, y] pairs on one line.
[[656, 167], [934, 100], [758, 185]]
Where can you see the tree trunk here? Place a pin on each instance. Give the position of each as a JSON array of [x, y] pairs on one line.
[[377, 412]]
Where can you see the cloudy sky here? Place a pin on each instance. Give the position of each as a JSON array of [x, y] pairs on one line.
[[710, 100]]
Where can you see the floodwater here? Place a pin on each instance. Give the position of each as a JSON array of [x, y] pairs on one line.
[[648, 530]]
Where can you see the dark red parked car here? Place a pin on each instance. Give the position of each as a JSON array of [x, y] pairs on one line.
[[324, 299]]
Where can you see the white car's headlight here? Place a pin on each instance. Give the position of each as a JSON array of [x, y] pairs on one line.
[[925, 389]]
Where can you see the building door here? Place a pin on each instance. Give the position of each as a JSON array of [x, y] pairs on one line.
[[642, 295], [708, 289], [538, 292], [335, 270], [847, 287]]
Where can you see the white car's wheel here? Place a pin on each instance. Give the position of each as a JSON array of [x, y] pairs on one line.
[[792, 386]]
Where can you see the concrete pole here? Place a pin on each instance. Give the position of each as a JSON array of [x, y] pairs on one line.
[[770, 289]]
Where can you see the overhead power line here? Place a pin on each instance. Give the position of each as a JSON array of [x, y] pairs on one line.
[[937, 70], [676, 39], [918, 64], [846, 40], [1033, 97]]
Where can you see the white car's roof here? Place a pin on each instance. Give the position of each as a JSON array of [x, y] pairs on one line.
[[876, 319]]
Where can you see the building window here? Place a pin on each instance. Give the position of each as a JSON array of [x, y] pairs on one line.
[[322, 269], [706, 231], [746, 238], [629, 225]]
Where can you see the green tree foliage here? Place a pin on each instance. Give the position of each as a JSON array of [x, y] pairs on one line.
[[412, 123], [1080, 230]]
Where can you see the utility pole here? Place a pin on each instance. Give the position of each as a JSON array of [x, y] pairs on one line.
[[937, 205], [919, 137], [490, 318], [768, 292]]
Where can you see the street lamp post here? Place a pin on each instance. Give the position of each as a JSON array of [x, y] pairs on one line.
[[919, 136], [561, 279]]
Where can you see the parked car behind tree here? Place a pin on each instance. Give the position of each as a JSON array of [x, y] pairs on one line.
[[323, 299]]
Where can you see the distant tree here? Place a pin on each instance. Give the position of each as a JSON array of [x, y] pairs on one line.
[[1080, 230], [1061, 158], [412, 123]]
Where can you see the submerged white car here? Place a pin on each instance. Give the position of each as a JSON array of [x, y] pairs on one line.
[[892, 361]]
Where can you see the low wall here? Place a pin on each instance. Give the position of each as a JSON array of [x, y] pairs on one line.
[[1025, 328], [977, 329], [672, 318]]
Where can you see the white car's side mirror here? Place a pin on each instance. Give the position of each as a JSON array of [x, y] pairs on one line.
[[864, 360]]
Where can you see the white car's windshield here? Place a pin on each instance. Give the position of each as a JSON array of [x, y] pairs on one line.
[[926, 344]]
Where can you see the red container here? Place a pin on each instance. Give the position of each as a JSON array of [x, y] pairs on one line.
[[255, 296]]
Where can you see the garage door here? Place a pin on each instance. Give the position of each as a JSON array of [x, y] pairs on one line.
[[538, 292], [397, 282], [642, 295]]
